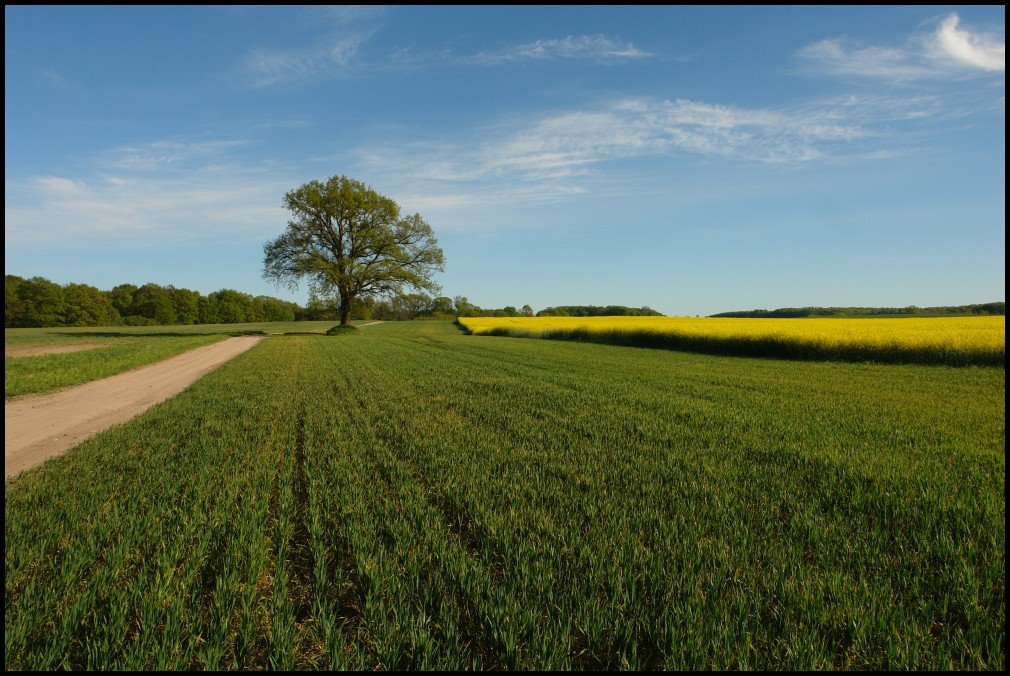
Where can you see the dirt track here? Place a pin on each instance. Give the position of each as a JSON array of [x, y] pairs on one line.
[[39, 427]]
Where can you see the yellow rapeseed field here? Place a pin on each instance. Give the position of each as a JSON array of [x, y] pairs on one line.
[[932, 339]]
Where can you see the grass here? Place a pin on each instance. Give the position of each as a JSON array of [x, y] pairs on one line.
[[410, 497]]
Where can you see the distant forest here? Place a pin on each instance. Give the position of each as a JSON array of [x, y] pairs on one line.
[[38, 302], [598, 311], [912, 310]]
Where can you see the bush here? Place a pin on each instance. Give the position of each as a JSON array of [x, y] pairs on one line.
[[341, 330]]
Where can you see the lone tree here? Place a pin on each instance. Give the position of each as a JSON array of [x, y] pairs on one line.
[[350, 240]]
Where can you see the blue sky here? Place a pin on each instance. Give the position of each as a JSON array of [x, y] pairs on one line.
[[696, 160]]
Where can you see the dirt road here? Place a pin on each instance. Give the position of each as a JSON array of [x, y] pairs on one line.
[[39, 427]]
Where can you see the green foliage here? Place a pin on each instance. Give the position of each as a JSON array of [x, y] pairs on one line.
[[154, 302], [87, 306], [13, 305], [404, 307], [598, 311], [187, 305], [207, 311], [464, 308], [342, 330], [275, 310], [460, 503], [442, 305], [232, 306], [38, 302], [121, 298], [350, 242]]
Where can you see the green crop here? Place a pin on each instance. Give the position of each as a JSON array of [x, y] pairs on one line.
[[412, 498]]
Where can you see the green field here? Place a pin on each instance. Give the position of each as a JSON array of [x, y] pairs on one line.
[[119, 348], [412, 497]]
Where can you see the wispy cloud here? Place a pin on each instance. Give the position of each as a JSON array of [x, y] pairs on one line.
[[602, 150], [841, 56], [339, 33], [161, 192], [272, 67], [600, 49], [581, 47], [168, 153], [58, 187], [574, 143], [55, 78], [949, 51], [336, 49], [569, 154]]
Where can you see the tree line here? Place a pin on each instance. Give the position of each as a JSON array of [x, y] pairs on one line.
[[407, 306], [598, 311], [38, 302], [785, 312], [423, 306]]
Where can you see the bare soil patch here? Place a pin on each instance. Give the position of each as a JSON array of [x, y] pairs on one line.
[[39, 427], [35, 350]]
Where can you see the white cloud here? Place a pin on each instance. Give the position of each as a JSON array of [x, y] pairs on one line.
[[271, 67], [573, 144], [641, 127], [55, 78], [840, 56], [160, 192], [569, 154], [592, 47], [948, 52], [57, 186], [603, 150], [971, 49], [337, 36], [169, 153], [339, 52]]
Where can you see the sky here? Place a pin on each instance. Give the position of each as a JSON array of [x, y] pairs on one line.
[[695, 160]]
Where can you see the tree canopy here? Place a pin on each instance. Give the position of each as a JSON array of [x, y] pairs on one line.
[[37, 302], [348, 240]]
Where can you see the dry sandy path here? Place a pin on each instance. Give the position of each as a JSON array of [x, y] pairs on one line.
[[38, 427]]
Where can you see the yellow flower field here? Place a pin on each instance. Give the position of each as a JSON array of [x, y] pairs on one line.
[[953, 340]]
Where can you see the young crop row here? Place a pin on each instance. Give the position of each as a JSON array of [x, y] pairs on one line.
[[416, 498], [955, 341]]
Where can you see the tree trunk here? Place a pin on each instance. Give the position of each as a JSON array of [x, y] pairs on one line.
[[345, 311]]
